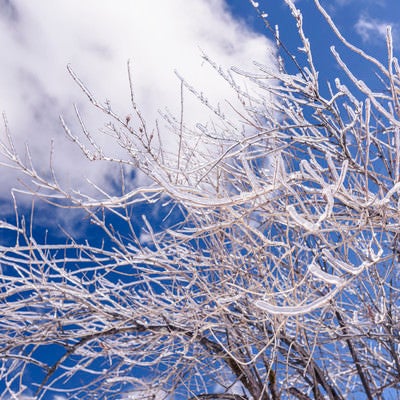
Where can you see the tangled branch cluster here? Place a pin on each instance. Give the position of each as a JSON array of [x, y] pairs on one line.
[[277, 279]]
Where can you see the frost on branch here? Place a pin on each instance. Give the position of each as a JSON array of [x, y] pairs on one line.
[[255, 258]]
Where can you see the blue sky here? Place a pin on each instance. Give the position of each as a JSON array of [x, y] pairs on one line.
[[97, 37]]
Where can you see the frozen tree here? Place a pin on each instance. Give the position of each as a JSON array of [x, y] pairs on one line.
[[274, 274]]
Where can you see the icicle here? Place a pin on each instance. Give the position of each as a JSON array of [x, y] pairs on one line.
[[327, 278], [307, 225], [296, 310]]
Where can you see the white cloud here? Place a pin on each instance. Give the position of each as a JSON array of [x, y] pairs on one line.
[[97, 37], [371, 29]]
